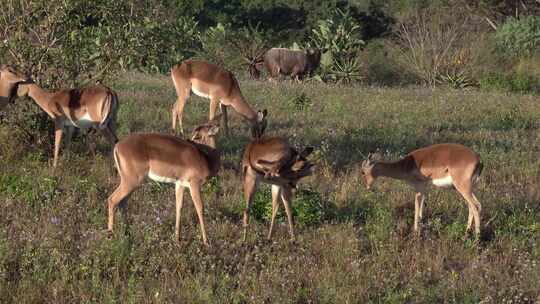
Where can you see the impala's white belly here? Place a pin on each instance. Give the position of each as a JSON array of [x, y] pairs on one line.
[[84, 122], [443, 182], [199, 93], [169, 180]]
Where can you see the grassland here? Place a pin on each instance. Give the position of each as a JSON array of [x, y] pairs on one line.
[[359, 249]]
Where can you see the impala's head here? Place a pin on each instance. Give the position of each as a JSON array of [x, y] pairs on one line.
[[259, 125], [10, 78], [367, 169], [205, 134]]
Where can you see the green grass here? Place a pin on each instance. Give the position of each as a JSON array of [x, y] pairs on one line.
[[356, 246]]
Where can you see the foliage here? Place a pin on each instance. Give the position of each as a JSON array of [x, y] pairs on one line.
[[308, 207], [510, 83], [519, 37], [438, 47], [233, 49], [341, 37], [65, 47]]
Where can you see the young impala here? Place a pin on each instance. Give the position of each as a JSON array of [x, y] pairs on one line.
[[442, 165], [273, 161], [209, 81], [166, 159], [90, 107], [10, 78]]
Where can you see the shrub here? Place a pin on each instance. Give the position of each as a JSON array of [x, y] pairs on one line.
[[341, 36], [308, 207], [438, 47], [519, 37], [223, 45], [515, 82]]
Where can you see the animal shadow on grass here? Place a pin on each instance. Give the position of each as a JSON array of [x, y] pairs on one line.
[[354, 146]]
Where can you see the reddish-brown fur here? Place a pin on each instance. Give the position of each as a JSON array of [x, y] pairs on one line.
[[215, 83], [94, 106], [272, 160], [187, 163], [442, 165]]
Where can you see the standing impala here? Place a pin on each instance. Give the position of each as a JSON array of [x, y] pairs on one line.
[[167, 159], [94, 106], [273, 161], [10, 78], [209, 81], [442, 165]]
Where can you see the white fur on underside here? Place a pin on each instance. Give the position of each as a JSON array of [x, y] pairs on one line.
[[169, 180], [199, 93], [443, 182]]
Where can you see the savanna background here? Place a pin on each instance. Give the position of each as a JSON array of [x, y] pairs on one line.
[[398, 75]]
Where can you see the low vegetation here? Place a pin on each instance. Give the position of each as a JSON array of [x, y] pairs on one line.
[[353, 245]]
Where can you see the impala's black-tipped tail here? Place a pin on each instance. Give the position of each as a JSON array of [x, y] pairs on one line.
[[477, 172]]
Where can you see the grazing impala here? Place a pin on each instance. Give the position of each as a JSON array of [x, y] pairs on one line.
[[272, 160], [167, 159], [209, 81], [10, 78], [94, 106], [442, 165]]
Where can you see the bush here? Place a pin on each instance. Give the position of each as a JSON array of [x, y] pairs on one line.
[[308, 207], [438, 47], [520, 83], [70, 42], [519, 37], [341, 36]]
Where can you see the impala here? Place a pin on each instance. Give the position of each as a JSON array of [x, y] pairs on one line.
[[273, 161], [208, 81], [10, 78], [167, 159], [90, 107], [441, 165]]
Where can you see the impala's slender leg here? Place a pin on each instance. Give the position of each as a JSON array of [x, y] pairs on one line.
[[478, 212], [119, 196], [214, 102], [418, 202], [465, 189], [469, 220], [276, 192], [250, 186], [57, 141], [286, 197], [225, 120], [195, 191], [179, 204], [178, 108]]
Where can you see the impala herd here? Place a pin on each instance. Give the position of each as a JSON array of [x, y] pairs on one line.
[[189, 163]]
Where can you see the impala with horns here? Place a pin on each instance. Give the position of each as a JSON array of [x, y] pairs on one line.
[[10, 78], [441, 165], [91, 107], [213, 82], [273, 161], [167, 159]]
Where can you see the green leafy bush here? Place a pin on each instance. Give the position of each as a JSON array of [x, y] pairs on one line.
[[230, 48], [520, 83], [308, 207], [341, 37], [519, 37]]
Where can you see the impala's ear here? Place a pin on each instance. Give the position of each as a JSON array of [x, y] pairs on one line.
[[261, 115], [213, 130]]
